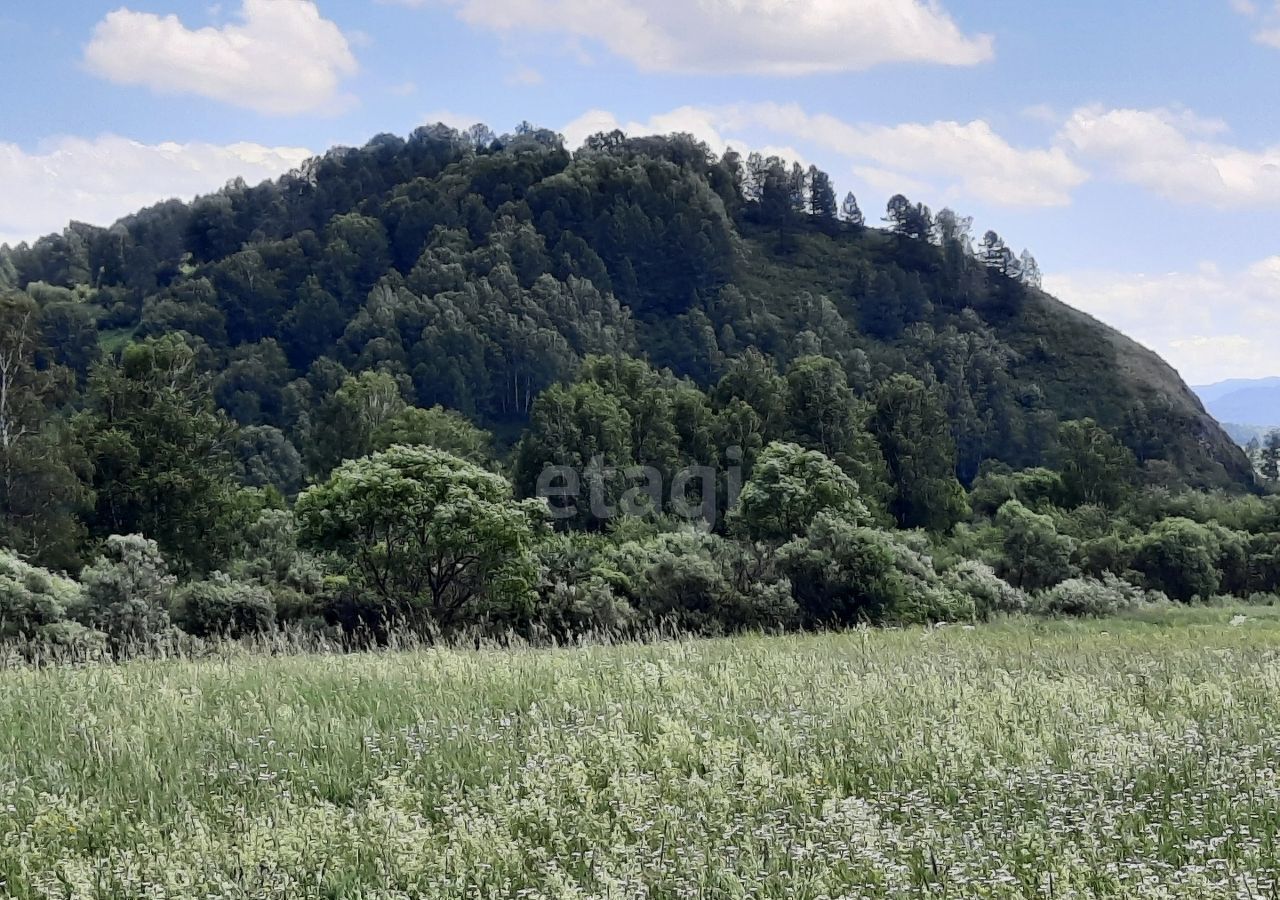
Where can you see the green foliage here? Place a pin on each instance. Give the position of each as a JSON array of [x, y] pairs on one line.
[[1178, 556], [266, 458], [789, 488], [42, 487], [701, 583], [222, 607], [843, 573], [1036, 488], [126, 593], [436, 427], [912, 429], [640, 303], [576, 587], [1095, 467], [160, 453], [1094, 598], [437, 539], [32, 599], [990, 594], [1033, 555]]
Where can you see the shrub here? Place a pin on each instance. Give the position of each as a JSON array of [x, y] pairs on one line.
[[296, 579], [1107, 554], [31, 598], [843, 573], [990, 594], [575, 593], [928, 599], [700, 582], [1033, 554], [71, 639], [788, 488], [1094, 598], [125, 594], [221, 607], [1179, 557]]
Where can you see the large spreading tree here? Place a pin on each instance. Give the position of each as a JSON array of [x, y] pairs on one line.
[[438, 539]]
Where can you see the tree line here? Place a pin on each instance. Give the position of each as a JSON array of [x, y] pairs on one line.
[[205, 409]]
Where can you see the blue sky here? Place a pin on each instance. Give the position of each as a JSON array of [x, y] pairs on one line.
[[1135, 149]]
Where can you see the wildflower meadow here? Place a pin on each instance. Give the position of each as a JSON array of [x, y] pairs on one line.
[[1135, 757]]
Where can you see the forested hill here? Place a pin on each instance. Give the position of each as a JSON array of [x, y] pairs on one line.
[[475, 272]]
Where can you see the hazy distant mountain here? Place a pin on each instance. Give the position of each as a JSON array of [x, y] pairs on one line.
[[1244, 401]]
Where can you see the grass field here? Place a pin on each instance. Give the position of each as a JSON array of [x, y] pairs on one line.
[[1128, 758]]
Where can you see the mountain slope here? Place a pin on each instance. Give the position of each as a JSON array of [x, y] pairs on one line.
[[479, 271]]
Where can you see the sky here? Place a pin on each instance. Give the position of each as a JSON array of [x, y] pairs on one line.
[[1134, 148]]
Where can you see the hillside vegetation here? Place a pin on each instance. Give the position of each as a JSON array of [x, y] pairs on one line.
[[478, 272], [461, 381]]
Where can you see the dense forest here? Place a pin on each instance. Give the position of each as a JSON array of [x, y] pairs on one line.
[[332, 402]]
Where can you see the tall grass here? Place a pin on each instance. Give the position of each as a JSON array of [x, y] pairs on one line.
[[1123, 758]]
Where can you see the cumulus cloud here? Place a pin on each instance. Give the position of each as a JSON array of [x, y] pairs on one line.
[[773, 37], [98, 181], [1210, 324], [281, 58], [704, 124], [939, 159], [1176, 154]]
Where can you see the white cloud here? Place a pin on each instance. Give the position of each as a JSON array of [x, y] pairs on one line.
[[281, 58], [700, 123], [1176, 154], [968, 158], [939, 159], [1209, 324], [774, 37], [98, 181]]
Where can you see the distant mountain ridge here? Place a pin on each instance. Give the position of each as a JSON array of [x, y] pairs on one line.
[[1243, 401]]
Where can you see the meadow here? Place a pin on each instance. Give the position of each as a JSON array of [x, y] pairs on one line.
[[1134, 757]]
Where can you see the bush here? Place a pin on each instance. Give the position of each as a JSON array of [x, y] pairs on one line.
[[72, 640], [1033, 554], [789, 487], [1093, 598], [700, 582], [929, 599], [221, 607], [296, 579], [31, 598], [1179, 557], [843, 573], [575, 593], [990, 594], [125, 594]]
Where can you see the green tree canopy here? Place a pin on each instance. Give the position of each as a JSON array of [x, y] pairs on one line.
[[437, 538], [789, 487], [911, 426], [161, 453], [1095, 467]]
